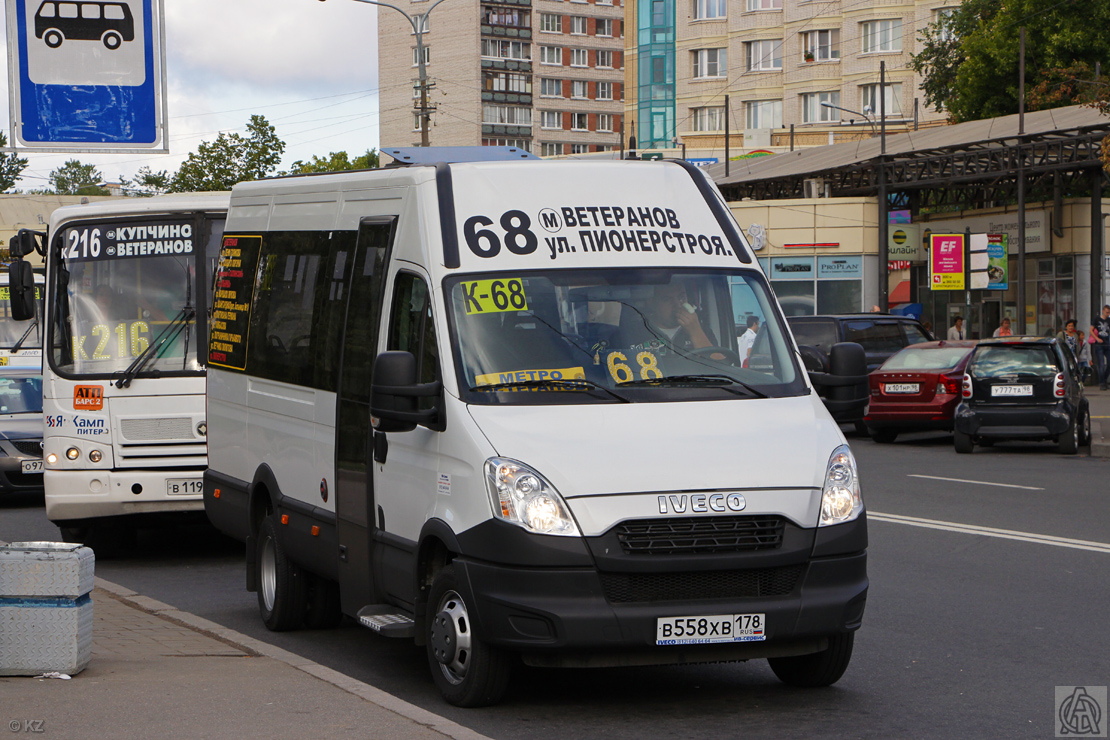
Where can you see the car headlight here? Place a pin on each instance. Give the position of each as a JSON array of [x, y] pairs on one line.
[[524, 497], [840, 498]]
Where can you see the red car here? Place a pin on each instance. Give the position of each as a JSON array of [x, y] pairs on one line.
[[917, 389]]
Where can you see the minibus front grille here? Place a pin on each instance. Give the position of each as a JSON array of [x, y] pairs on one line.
[[694, 535], [153, 429], [170, 455], [628, 588]]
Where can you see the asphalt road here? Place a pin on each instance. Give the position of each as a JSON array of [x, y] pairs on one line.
[[988, 589]]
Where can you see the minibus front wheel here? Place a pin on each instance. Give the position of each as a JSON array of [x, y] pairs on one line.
[[467, 671], [282, 585]]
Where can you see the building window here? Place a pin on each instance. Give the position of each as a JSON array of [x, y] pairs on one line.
[[709, 9], [893, 102], [550, 54], [822, 44], [578, 25], [493, 15], [416, 59], [814, 112], [882, 35], [579, 122], [579, 57], [507, 114], [605, 59], [551, 119], [551, 23], [604, 27], [764, 4], [500, 49], [550, 149], [579, 148], [415, 121], [708, 119], [579, 89], [525, 144], [710, 63], [506, 82], [604, 122], [421, 21], [605, 91], [942, 19], [551, 88], [764, 114], [765, 55]]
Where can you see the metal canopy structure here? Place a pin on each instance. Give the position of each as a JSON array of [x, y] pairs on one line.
[[968, 165]]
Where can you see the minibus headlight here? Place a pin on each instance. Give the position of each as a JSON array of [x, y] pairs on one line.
[[524, 497], [96, 456], [73, 453], [840, 498]]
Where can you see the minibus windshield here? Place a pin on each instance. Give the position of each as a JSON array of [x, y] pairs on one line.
[[618, 335]]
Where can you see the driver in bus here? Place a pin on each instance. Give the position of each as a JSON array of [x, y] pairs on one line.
[[672, 321]]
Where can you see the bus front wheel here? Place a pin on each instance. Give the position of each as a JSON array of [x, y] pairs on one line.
[[282, 585], [112, 40], [53, 38]]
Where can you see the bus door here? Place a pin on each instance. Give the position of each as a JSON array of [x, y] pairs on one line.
[[355, 509]]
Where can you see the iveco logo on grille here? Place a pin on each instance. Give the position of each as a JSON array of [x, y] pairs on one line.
[[701, 502]]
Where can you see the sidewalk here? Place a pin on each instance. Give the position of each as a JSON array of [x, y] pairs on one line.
[[1100, 420], [159, 672]]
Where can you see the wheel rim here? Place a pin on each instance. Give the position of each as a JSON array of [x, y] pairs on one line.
[[267, 573], [451, 637], [112, 40], [53, 39]]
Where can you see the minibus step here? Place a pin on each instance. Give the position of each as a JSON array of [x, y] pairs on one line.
[[385, 620]]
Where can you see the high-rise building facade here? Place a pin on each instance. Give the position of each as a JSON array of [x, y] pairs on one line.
[[811, 64], [543, 75]]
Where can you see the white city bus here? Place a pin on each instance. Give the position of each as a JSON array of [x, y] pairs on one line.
[[128, 285]]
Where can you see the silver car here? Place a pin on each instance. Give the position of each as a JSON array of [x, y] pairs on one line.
[[20, 429]]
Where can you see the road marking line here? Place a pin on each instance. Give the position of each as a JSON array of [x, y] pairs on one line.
[[1006, 534], [976, 482]]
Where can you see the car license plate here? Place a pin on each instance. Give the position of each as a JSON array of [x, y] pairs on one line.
[[902, 387], [184, 486], [32, 466], [714, 628], [1011, 390]]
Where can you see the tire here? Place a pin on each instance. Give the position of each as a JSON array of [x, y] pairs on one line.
[[884, 436], [111, 40], [1069, 440], [816, 669], [467, 671], [282, 587], [860, 427], [962, 442], [1085, 428], [76, 533], [323, 611], [53, 38]]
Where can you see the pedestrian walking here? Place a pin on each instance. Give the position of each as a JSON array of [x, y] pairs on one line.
[[956, 331], [1100, 330], [1076, 341], [1004, 329]]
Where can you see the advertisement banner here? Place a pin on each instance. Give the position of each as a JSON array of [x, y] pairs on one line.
[[946, 261], [998, 265]]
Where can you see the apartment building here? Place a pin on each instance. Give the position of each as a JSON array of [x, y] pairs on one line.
[[544, 75], [813, 65]]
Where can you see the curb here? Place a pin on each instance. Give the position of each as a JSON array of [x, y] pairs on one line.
[[362, 690]]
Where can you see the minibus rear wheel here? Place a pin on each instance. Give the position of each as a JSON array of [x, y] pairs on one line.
[[816, 669], [467, 671], [282, 585]]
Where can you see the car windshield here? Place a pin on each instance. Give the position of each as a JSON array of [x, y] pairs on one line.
[[12, 331], [927, 358], [21, 395], [993, 361], [577, 336]]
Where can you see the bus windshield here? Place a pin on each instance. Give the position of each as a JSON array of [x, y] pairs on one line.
[[621, 335], [125, 299]]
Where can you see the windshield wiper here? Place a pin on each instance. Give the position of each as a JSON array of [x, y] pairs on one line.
[[18, 345], [158, 346], [722, 381], [561, 383]]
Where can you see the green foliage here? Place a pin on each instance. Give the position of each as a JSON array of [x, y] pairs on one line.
[[970, 67], [75, 178], [231, 158], [146, 182], [11, 166], [335, 162]]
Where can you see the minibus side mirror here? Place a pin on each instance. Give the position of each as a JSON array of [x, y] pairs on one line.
[[23, 243], [21, 290], [394, 394], [848, 363]]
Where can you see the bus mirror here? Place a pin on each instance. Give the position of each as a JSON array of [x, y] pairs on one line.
[[23, 243], [21, 286], [393, 397]]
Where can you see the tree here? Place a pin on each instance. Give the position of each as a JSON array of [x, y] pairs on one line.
[[969, 60], [75, 178], [146, 182], [11, 166], [231, 158], [335, 162]]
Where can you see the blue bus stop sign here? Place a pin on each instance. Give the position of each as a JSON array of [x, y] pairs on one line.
[[86, 74]]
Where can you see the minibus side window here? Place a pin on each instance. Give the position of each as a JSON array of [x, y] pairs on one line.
[[47, 10], [114, 12], [412, 329]]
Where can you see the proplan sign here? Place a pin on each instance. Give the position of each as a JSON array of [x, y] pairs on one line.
[[86, 75]]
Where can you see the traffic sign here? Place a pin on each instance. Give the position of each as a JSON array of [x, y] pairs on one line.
[[86, 75]]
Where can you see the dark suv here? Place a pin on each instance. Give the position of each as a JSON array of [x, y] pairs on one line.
[[1022, 388], [880, 335]]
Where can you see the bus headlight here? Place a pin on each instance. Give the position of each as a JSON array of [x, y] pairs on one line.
[[96, 456], [840, 498], [73, 453], [524, 497], [52, 459]]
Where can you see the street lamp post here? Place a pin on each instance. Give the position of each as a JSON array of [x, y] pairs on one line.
[[864, 116], [419, 25]]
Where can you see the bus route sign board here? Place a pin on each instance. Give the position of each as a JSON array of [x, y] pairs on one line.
[[946, 261], [86, 75]]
